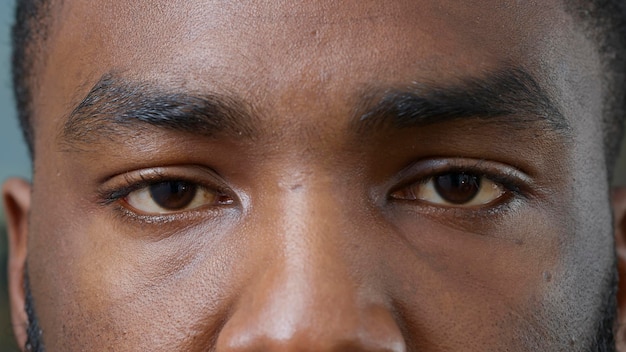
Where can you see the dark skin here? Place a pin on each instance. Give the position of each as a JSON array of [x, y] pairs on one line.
[[315, 218]]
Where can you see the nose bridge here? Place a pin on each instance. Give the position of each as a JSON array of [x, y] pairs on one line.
[[310, 297], [316, 233], [313, 227], [313, 233]]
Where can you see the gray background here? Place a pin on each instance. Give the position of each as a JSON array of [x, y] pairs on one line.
[[13, 154], [14, 158]]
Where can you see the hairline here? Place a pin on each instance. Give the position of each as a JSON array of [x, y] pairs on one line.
[[608, 33]]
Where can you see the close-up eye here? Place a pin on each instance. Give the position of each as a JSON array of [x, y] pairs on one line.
[[173, 196], [453, 189]]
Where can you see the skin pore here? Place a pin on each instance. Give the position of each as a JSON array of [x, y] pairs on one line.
[[273, 176]]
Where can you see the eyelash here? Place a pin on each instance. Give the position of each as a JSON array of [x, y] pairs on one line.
[[514, 186], [510, 183]]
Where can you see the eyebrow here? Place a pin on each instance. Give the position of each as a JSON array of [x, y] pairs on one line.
[[509, 96], [115, 107]]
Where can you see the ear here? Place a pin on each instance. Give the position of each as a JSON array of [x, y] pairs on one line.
[[16, 196]]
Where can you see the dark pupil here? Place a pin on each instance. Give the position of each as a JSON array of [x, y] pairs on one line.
[[457, 188], [173, 195]]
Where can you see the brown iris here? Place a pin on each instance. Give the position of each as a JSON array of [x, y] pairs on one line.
[[173, 195], [457, 188]]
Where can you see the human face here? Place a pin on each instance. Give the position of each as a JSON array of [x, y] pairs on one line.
[[413, 175]]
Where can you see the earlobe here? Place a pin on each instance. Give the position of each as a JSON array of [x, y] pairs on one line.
[[16, 195]]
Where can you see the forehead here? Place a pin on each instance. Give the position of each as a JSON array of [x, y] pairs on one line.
[[262, 32], [266, 45], [291, 61]]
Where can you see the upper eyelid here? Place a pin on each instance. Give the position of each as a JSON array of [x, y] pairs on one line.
[[425, 169]]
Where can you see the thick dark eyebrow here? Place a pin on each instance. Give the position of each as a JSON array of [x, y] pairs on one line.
[[115, 107], [510, 96]]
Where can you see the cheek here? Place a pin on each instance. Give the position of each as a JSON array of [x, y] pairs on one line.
[[54, 245], [485, 286], [96, 283], [588, 252]]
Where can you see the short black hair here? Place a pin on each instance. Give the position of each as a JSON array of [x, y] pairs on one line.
[[605, 22], [28, 38]]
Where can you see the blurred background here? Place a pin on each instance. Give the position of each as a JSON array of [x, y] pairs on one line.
[[14, 159]]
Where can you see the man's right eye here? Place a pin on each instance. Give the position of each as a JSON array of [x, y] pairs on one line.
[[173, 196]]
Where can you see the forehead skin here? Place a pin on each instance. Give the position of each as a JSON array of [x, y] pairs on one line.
[[306, 256]]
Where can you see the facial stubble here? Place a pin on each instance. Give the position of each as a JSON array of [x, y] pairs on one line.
[[604, 340]]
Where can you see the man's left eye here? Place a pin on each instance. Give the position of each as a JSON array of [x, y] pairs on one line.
[[173, 196], [458, 189]]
